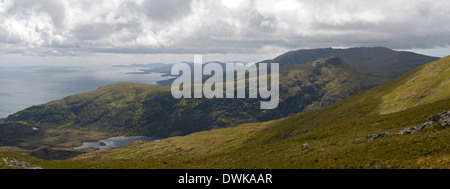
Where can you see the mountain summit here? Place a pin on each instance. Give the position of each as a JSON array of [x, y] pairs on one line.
[[379, 61]]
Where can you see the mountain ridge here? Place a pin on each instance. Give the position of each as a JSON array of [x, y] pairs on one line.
[[379, 61]]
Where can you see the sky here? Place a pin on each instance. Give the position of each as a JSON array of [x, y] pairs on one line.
[[171, 30]]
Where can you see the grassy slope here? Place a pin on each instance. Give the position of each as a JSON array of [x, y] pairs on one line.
[[338, 145], [336, 135], [427, 85], [107, 108]]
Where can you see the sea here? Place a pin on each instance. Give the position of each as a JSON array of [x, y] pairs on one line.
[[25, 85]]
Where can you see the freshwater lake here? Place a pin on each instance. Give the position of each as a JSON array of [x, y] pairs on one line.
[[112, 142]]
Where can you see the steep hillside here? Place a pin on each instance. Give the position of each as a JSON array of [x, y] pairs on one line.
[[139, 109], [370, 102], [331, 78], [332, 137], [106, 108], [428, 84]]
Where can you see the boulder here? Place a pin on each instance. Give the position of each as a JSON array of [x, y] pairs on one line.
[[416, 129], [305, 146], [19, 164], [409, 130], [445, 122], [376, 136], [428, 124], [434, 118], [444, 119]]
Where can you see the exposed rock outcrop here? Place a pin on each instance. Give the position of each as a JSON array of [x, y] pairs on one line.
[[19, 164], [377, 136], [416, 129], [305, 146], [443, 118]]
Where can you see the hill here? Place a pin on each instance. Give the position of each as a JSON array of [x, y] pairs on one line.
[[140, 109], [379, 61], [428, 84], [332, 137]]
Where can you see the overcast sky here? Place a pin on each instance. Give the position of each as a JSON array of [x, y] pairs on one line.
[[98, 27]]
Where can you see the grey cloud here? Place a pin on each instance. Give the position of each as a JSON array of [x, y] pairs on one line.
[[167, 10], [94, 31], [180, 26], [55, 9], [52, 7]]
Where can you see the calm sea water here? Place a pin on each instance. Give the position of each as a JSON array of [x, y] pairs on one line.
[[22, 86]]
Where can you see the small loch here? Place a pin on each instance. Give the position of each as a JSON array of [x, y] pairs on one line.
[[106, 144]]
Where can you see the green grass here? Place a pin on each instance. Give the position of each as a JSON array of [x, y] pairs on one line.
[[429, 83], [340, 144]]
